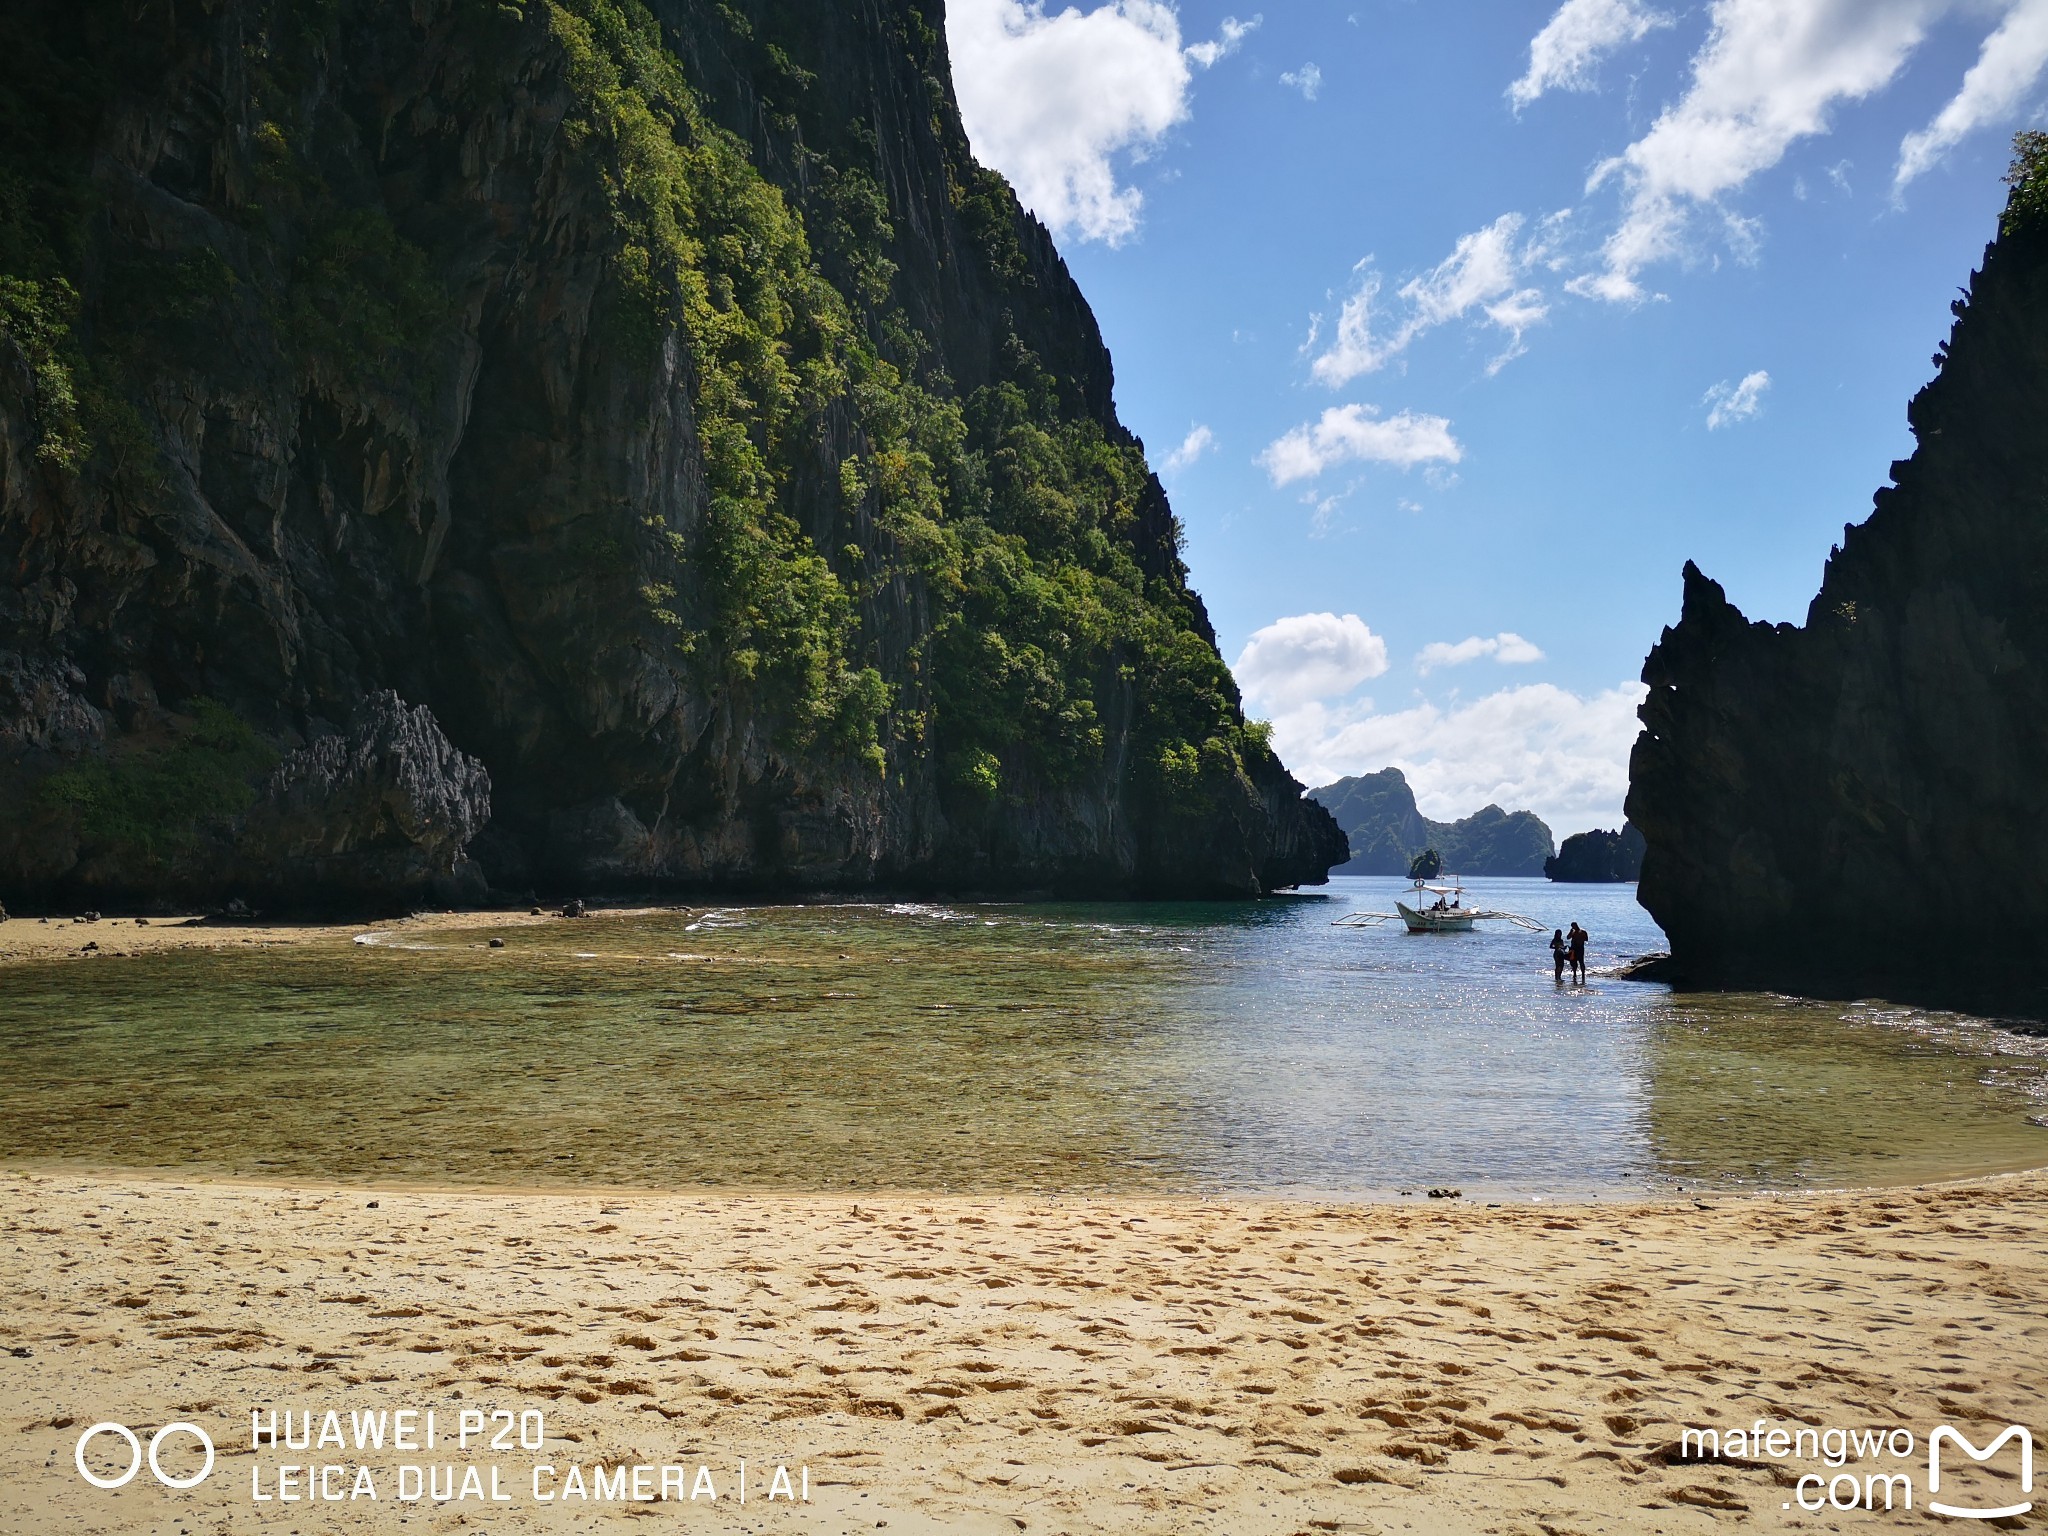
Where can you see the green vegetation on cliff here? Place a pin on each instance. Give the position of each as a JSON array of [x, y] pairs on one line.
[[1016, 516], [2026, 206], [158, 799], [710, 249], [794, 476]]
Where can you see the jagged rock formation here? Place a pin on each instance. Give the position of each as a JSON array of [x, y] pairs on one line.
[[1597, 857], [664, 401], [1378, 814], [178, 809], [386, 808], [1853, 807]]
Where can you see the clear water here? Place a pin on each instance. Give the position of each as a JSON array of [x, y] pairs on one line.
[[1170, 1048]]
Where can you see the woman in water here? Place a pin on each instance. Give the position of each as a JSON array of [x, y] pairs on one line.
[[1557, 955]]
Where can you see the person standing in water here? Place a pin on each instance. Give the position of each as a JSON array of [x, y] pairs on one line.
[[1557, 955], [1576, 947]]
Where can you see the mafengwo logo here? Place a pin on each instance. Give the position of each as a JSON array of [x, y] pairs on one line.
[[1948, 1435]]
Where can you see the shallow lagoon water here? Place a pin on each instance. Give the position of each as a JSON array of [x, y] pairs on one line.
[[1134, 1048]]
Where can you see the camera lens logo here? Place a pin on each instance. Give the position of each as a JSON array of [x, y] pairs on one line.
[[1947, 1434], [135, 1455]]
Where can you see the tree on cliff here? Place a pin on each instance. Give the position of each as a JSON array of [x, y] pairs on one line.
[[2027, 204]]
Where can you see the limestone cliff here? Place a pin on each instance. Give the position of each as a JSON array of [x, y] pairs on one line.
[[1378, 814], [1853, 807], [661, 404]]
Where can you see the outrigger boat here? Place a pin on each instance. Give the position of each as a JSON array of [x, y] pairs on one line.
[[1438, 908]]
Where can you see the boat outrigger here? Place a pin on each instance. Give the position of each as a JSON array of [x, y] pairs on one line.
[[1438, 908]]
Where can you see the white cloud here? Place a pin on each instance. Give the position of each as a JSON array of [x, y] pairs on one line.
[[1729, 403], [1537, 747], [1994, 90], [1198, 442], [1515, 314], [1353, 351], [1481, 265], [1768, 75], [1308, 80], [1232, 33], [1056, 102], [1507, 647], [1482, 272], [1308, 656], [1356, 432], [1573, 43]]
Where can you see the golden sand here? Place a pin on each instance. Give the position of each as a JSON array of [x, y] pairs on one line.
[[1003, 1365]]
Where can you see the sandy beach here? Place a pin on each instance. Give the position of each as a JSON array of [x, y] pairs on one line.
[[1012, 1365]]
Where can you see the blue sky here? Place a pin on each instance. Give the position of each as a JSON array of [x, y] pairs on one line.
[[1454, 329]]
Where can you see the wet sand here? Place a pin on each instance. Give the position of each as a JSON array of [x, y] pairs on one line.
[[1003, 1365]]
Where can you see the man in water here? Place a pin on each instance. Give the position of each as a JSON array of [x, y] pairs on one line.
[[1576, 943]]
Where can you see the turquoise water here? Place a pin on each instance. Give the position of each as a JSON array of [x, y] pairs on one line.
[[1144, 1048]]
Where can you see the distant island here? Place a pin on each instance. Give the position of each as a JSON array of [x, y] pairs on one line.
[[1377, 811], [1597, 857]]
